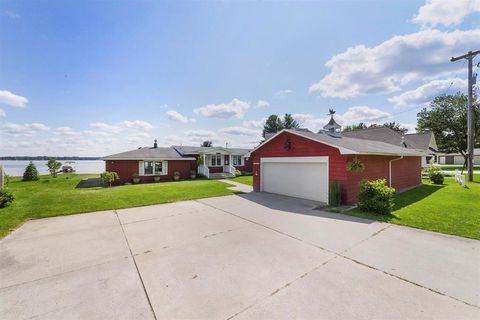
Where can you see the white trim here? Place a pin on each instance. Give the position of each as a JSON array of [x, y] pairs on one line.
[[141, 169], [322, 159]]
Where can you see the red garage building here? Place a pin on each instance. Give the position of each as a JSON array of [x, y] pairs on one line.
[[303, 164]]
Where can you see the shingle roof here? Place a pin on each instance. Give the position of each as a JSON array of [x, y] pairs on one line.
[[148, 153], [190, 150], [384, 134], [348, 145]]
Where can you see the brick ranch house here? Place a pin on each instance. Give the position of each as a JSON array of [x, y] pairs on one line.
[[149, 162], [303, 164]]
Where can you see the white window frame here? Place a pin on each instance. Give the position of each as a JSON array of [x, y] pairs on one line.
[[215, 156], [141, 168], [238, 164]]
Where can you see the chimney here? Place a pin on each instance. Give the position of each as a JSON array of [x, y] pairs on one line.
[[155, 145], [332, 128]]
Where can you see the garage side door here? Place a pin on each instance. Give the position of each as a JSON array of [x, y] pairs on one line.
[[301, 177]]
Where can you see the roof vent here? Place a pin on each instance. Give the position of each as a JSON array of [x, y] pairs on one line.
[[404, 144], [332, 128], [155, 145]]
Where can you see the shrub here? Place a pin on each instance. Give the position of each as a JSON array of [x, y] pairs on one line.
[[53, 166], [356, 165], [31, 172], [335, 195], [435, 175], [238, 173], [108, 177], [6, 197], [375, 196]]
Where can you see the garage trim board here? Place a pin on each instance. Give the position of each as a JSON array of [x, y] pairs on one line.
[[308, 182]]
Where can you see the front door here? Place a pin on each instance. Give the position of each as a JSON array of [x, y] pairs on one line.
[[226, 159]]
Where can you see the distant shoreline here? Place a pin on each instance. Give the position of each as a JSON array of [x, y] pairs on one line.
[[33, 158]]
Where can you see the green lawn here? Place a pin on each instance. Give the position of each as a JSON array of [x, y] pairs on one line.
[[448, 208], [454, 167], [243, 179], [50, 197]]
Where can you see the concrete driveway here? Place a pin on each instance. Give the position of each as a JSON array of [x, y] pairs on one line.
[[237, 257]]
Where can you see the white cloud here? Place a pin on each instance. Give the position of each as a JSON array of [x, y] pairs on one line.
[[2, 113], [137, 124], [204, 134], [241, 131], [105, 127], [66, 131], [283, 93], [233, 109], [428, 91], [178, 117], [385, 68], [410, 126], [352, 115], [262, 104], [444, 12], [11, 99], [254, 124], [27, 129]]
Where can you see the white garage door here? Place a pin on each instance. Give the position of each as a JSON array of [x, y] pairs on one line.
[[301, 177]]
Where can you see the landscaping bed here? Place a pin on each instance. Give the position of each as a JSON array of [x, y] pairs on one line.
[[49, 197], [446, 208]]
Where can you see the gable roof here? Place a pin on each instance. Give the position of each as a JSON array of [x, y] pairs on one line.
[[347, 145], [148, 153], [190, 150], [423, 141]]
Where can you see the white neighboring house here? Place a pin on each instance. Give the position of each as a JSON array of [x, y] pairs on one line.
[[457, 158]]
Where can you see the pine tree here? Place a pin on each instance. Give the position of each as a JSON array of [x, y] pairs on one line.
[[31, 172]]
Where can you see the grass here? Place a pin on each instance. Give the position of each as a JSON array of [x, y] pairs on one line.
[[446, 208], [455, 167], [59, 196], [243, 179]]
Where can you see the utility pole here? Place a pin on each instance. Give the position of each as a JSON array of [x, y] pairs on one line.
[[470, 128]]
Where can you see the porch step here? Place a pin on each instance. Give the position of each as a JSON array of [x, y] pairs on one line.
[[221, 175]]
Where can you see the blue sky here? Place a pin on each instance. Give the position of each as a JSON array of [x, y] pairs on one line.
[[97, 77]]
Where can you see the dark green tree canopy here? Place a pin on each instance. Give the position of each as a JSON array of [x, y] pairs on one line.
[[274, 123], [207, 144], [362, 125], [31, 172], [446, 117]]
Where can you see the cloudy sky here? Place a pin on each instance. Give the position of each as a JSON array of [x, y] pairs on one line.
[[98, 77]]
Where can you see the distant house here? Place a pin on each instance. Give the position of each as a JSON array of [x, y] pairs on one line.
[[457, 158], [420, 141], [304, 164], [148, 162]]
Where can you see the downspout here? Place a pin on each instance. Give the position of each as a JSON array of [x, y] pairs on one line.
[[390, 170]]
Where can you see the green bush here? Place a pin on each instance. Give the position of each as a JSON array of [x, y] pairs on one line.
[[238, 173], [53, 166], [375, 196], [108, 177], [31, 172], [435, 175], [6, 197], [335, 195]]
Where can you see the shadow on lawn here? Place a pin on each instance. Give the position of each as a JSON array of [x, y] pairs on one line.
[[409, 197]]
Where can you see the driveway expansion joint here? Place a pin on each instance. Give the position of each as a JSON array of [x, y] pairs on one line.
[[341, 254], [136, 266]]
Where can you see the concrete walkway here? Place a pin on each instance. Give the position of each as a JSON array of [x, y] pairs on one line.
[[238, 186], [246, 256]]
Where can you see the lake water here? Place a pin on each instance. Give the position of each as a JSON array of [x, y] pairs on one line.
[[17, 167]]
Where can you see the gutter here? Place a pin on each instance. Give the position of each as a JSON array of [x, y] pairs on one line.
[[390, 170]]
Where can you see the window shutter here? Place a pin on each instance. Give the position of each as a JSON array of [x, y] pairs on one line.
[[140, 168], [165, 167]]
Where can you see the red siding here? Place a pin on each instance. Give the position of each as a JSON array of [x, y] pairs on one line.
[[127, 168], [405, 172]]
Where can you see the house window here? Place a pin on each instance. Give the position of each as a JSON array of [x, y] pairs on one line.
[[216, 160], [148, 167], [237, 160], [158, 165], [151, 168]]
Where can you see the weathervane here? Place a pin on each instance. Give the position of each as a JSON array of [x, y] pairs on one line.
[[331, 112]]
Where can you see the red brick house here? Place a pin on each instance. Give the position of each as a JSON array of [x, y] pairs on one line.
[[150, 162], [303, 164]]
